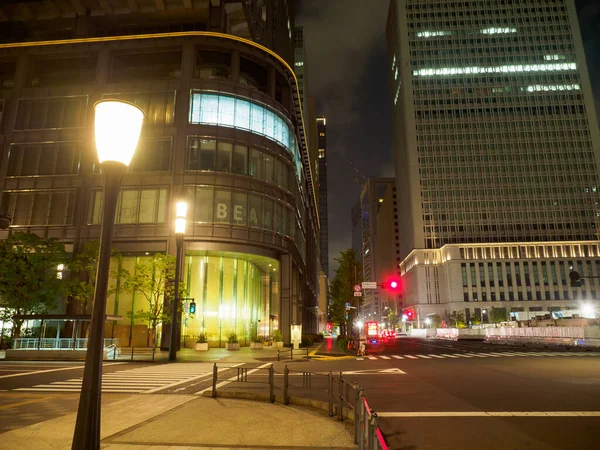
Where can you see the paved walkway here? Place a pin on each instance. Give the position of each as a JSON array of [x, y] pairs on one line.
[[193, 422]]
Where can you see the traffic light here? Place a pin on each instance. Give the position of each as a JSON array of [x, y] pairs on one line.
[[575, 279], [193, 307], [391, 284], [410, 315]]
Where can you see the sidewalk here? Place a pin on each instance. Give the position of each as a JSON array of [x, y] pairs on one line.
[[192, 421]]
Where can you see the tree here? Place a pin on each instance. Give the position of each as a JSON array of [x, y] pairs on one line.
[[82, 281], [498, 315], [348, 273], [153, 280], [392, 319], [457, 319], [28, 275]]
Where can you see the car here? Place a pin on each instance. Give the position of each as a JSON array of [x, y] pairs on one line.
[[400, 334], [374, 344]]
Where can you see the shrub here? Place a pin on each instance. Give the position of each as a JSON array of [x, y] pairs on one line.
[[277, 336], [306, 341], [6, 343], [202, 338], [232, 338], [342, 344], [256, 339]]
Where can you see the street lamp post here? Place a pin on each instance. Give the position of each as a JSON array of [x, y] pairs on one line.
[[117, 131], [180, 224]]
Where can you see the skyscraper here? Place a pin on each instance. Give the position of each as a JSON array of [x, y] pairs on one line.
[[322, 148], [496, 149], [223, 129]]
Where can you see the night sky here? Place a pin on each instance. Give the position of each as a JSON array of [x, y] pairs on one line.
[[346, 62]]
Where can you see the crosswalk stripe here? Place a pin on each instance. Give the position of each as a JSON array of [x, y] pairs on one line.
[[385, 357], [424, 356], [462, 355], [397, 357], [371, 357], [411, 357], [449, 356], [501, 354], [437, 356], [360, 359], [477, 355], [489, 354]]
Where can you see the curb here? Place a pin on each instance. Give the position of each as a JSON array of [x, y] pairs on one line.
[[296, 401]]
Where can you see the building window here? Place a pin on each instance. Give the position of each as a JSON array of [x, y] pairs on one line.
[[159, 107], [508, 275], [473, 276], [481, 275], [129, 67], [224, 156], [463, 269], [66, 71], [213, 65], [491, 274], [39, 208], [466, 296], [56, 158], [152, 155], [137, 205], [223, 110], [51, 113]]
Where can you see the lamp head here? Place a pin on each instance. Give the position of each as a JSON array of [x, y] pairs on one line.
[[117, 128]]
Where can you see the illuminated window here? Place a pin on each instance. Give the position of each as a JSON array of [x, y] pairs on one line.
[[553, 87], [428, 34], [299, 63], [498, 30], [321, 153], [554, 57], [322, 134], [517, 68]]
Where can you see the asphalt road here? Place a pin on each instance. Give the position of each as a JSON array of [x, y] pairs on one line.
[[451, 395]]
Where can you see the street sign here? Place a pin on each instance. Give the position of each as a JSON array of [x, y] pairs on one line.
[[357, 288], [369, 285], [348, 305], [358, 294]]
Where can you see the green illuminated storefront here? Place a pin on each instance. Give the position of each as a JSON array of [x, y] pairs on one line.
[[234, 293]]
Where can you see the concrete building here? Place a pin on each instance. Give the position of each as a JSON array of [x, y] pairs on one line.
[[378, 225], [496, 147], [224, 129]]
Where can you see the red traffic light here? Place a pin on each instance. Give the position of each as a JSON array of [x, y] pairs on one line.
[[391, 284], [410, 314]]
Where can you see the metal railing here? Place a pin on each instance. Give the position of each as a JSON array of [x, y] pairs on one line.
[[302, 353], [57, 343], [344, 399]]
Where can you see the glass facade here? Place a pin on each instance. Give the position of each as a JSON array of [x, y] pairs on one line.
[[234, 293], [228, 111]]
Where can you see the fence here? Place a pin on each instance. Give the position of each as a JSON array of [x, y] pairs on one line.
[[343, 398], [299, 352], [57, 343]]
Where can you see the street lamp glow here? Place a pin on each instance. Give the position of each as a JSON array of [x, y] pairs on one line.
[[427, 321], [117, 129], [180, 224], [588, 311], [181, 209]]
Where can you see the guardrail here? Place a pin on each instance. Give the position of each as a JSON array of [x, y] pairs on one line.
[[344, 398]]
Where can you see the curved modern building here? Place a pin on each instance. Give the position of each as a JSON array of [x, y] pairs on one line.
[[223, 130]]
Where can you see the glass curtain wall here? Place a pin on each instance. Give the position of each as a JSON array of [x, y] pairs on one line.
[[233, 294]]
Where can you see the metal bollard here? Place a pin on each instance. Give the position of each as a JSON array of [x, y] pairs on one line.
[[214, 381], [361, 431], [153, 351], [340, 407], [292, 353], [277, 355], [307, 357], [115, 352], [356, 412], [371, 433], [286, 372], [330, 392], [271, 384], [375, 426], [132, 353]]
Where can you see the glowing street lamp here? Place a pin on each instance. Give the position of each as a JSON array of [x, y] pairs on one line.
[[117, 130], [180, 224]]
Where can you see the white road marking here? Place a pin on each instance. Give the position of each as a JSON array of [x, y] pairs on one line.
[[424, 356], [491, 414], [488, 354], [53, 370], [372, 357], [461, 355], [397, 357], [449, 356], [411, 357], [360, 359], [437, 356], [234, 378], [385, 357]]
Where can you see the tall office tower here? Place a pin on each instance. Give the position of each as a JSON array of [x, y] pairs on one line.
[[356, 230], [375, 218], [322, 173], [223, 129], [300, 65], [496, 146]]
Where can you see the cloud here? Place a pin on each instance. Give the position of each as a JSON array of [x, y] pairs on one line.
[[338, 36]]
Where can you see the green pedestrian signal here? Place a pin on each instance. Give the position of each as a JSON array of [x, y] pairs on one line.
[[193, 308]]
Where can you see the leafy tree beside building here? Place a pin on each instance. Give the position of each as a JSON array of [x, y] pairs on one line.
[[28, 276]]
